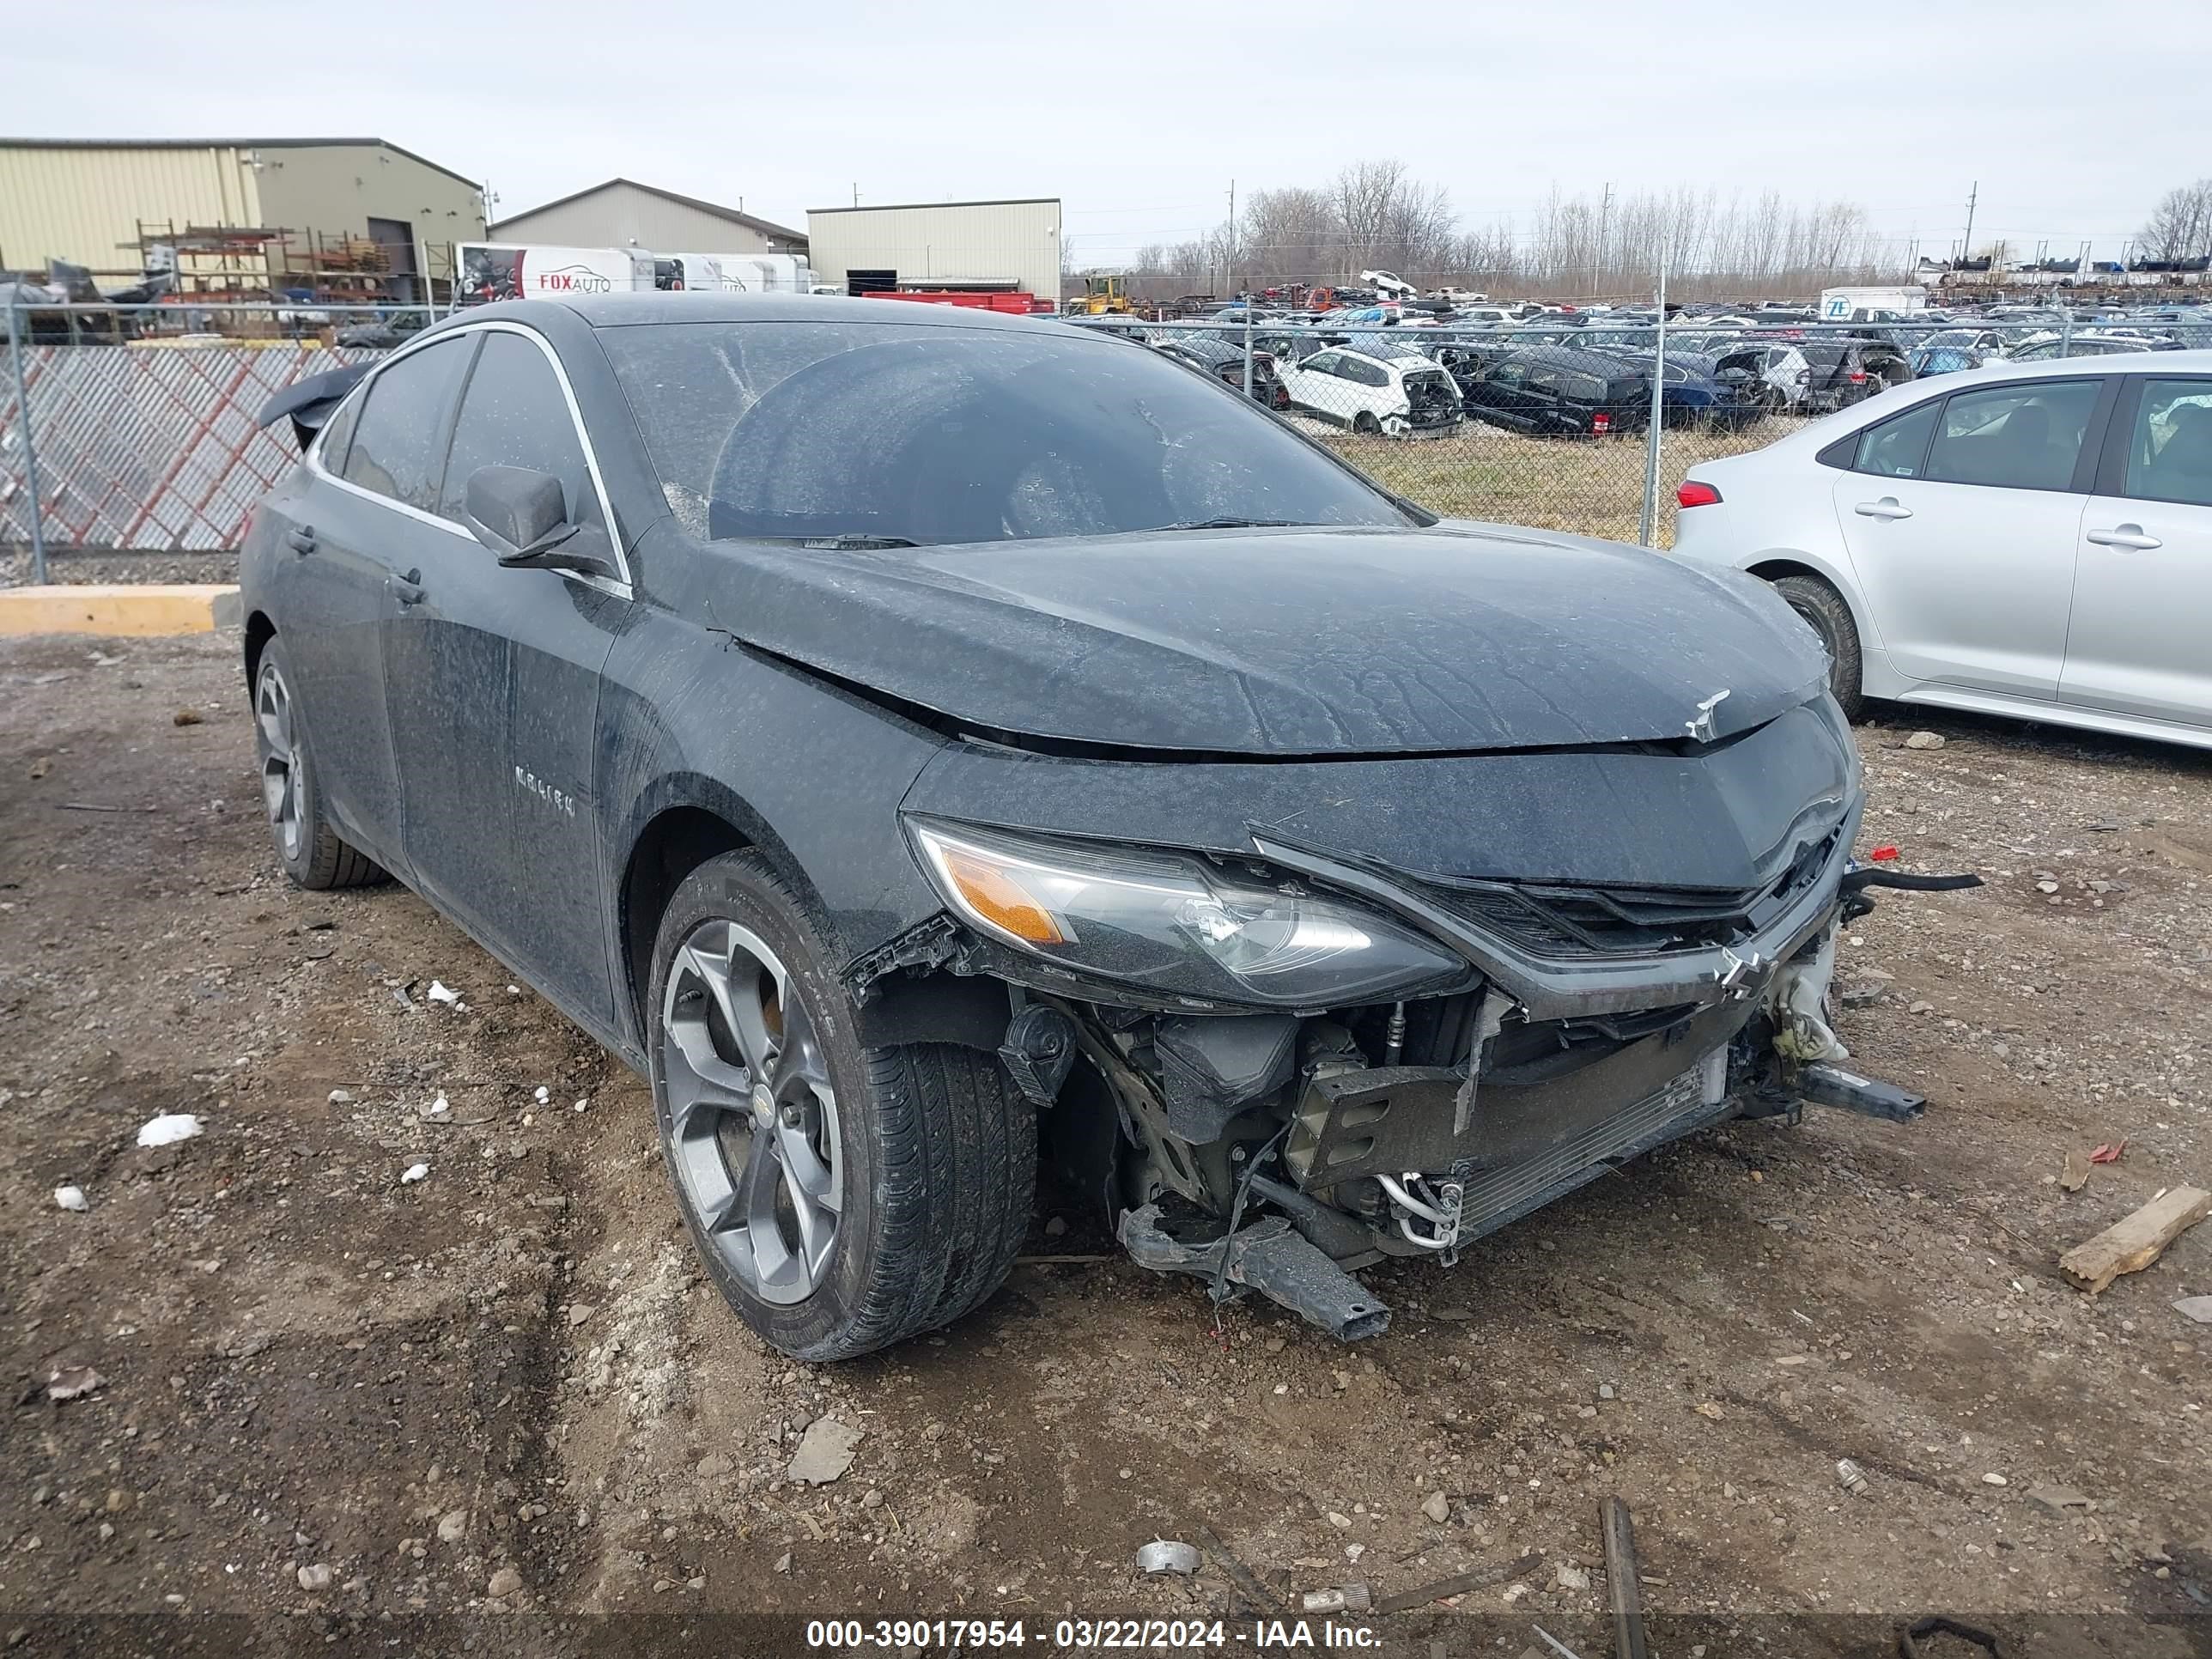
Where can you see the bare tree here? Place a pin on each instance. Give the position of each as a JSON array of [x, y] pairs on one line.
[[2180, 227]]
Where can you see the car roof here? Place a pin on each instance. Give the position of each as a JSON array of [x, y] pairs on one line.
[[622, 310], [2197, 361], [1589, 363]]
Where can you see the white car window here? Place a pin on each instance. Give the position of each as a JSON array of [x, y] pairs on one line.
[[2019, 437], [1896, 448], [2170, 450]]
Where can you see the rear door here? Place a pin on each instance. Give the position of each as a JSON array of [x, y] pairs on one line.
[[1501, 396], [494, 677], [1961, 516], [2141, 638], [355, 532]]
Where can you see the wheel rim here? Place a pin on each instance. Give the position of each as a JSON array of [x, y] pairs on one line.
[[282, 765], [752, 1119]]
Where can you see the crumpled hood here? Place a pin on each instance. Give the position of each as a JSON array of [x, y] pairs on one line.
[[1282, 642]]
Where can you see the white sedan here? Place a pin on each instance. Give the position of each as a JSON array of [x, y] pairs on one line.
[[2033, 540]]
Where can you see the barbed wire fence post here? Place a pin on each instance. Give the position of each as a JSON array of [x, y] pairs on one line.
[[15, 333]]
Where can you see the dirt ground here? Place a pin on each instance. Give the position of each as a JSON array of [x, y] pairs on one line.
[[502, 1391]]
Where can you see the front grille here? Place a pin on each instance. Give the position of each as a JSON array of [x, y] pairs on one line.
[[1562, 921]]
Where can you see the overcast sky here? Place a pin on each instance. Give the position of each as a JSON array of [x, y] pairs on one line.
[[1140, 129]]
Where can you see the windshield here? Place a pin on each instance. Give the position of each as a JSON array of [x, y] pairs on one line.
[[929, 433]]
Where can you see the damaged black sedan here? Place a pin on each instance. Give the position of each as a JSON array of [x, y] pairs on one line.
[[925, 743]]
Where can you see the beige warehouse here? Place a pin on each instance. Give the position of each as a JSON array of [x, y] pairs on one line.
[[1011, 244], [86, 199], [623, 213]]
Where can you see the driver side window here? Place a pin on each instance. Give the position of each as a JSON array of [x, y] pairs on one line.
[[514, 414]]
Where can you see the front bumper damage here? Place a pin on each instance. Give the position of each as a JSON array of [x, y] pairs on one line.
[[1458, 1152], [1663, 965]]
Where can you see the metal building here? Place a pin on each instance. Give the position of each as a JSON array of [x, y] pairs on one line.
[[623, 213], [92, 201], [1012, 245]]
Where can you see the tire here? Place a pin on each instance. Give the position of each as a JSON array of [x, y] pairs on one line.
[[928, 1151], [314, 854], [1821, 606], [1366, 426]]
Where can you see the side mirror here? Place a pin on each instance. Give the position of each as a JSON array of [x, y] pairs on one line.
[[520, 514], [515, 511]]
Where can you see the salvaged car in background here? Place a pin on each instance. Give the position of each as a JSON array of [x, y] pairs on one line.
[[907, 739], [1377, 390], [1548, 391]]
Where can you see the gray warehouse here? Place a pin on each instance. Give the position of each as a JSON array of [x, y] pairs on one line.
[[1012, 245], [623, 213]]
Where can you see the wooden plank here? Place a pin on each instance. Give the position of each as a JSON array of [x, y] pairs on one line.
[[2131, 1244]]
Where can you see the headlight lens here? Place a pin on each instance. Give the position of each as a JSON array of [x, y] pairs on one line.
[[1175, 924]]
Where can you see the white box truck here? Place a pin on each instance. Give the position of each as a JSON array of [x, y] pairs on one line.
[[1870, 305], [514, 270], [510, 270]]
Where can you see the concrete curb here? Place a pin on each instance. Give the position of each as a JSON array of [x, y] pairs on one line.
[[130, 610]]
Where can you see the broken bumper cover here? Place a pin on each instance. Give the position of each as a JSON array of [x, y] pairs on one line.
[[1558, 987]]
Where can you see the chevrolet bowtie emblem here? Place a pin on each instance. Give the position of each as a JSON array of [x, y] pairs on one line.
[[1701, 729]]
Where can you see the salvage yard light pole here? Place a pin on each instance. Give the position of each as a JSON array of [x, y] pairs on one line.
[[23, 414], [1648, 521]]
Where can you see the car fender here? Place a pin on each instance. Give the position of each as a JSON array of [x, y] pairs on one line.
[[1769, 563]]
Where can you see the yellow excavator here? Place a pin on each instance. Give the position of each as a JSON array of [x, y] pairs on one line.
[[1102, 296]]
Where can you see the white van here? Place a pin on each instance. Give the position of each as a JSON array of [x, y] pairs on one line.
[[512, 271]]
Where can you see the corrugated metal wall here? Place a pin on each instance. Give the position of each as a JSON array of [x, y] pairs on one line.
[[621, 214], [84, 204], [338, 188], [942, 242]]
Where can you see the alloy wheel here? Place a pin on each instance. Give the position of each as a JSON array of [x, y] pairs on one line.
[[282, 765], [752, 1119]]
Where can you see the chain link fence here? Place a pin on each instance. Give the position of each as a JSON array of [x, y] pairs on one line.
[[127, 431], [1552, 423]]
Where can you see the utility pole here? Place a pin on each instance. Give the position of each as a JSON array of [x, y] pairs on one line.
[[856, 192], [1972, 195], [1597, 256]]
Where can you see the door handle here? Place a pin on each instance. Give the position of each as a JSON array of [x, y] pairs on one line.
[[301, 538], [2128, 537], [407, 589], [1887, 507]]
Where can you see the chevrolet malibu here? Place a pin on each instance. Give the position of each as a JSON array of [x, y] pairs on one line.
[[924, 744]]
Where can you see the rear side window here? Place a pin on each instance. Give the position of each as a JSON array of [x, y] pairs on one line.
[[398, 444], [1896, 448], [338, 434], [514, 414], [1325, 363], [2170, 450], [1365, 373], [2018, 437]]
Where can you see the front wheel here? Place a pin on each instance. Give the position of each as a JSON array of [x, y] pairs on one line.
[[1822, 607], [842, 1198]]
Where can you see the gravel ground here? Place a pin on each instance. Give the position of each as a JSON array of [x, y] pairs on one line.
[[332, 1396]]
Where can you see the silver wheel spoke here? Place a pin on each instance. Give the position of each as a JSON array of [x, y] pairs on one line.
[[736, 1045], [281, 764]]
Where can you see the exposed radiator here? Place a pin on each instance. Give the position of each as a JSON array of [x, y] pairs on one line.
[[1500, 1196]]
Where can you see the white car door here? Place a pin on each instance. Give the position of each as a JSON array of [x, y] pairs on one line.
[[2141, 640], [1315, 388], [1961, 516]]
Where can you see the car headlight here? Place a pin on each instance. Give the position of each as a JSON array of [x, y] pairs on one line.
[[1176, 924]]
